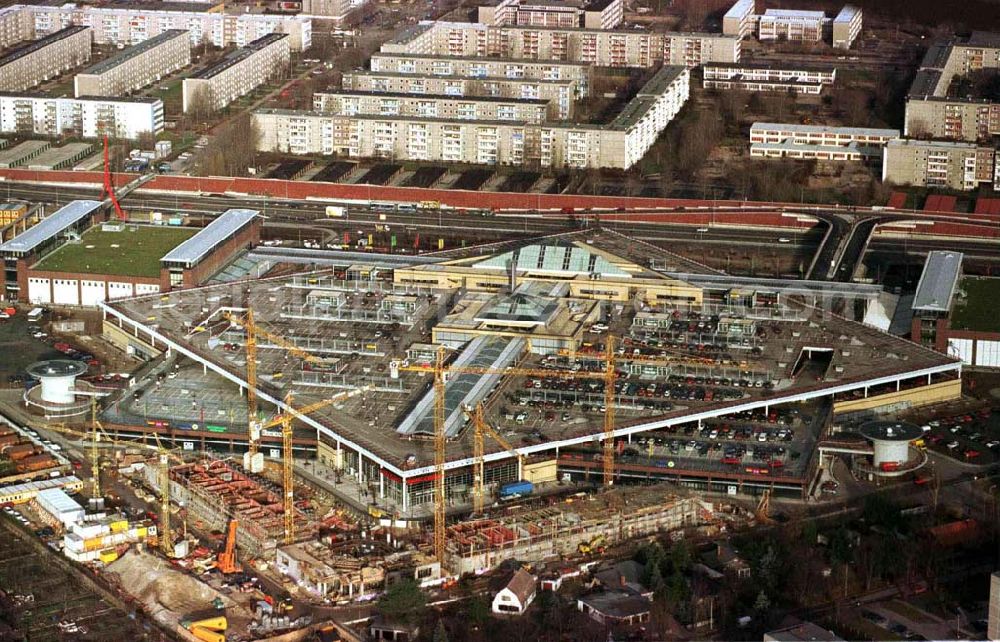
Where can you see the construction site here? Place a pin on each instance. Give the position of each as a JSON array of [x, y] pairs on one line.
[[584, 525], [385, 417]]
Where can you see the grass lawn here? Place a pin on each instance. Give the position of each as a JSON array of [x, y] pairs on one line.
[[978, 311], [125, 253]]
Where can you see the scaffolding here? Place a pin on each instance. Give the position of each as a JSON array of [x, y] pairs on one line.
[[559, 530]]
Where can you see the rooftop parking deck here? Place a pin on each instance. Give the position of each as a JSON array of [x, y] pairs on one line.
[[676, 363]]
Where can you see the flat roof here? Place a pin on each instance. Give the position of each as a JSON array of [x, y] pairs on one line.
[[413, 96], [513, 61], [787, 146], [397, 74], [134, 250], [794, 14], [986, 39], [847, 14], [978, 309], [198, 246], [926, 83], [817, 129], [240, 55], [739, 8], [446, 24], [632, 111], [770, 67], [136, 50], [55, 157], [100, 99], [938, 281], [368, 422], [50, 227], [41, 43], [58, 500], [662, 80], [804, 632], [931, 144], [890, 431]]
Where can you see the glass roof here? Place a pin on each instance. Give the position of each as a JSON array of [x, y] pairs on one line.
[[556, 258]]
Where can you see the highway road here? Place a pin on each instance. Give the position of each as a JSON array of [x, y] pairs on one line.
[[451, 224], [280, 213]]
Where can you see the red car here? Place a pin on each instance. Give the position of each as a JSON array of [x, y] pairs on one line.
[[971, 454]]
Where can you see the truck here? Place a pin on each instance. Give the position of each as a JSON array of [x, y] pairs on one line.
[[516, 489], [335, 211]]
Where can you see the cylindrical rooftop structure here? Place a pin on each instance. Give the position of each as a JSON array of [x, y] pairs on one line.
[[58, 379], [890, 441]]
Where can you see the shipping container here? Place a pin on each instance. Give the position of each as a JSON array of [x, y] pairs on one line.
[[516, 489], [20, 451], [36, 462]]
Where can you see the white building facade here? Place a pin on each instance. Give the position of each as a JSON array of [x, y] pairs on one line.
[[85, 117]]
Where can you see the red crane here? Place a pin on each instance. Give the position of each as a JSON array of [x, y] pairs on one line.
[[109, 186]]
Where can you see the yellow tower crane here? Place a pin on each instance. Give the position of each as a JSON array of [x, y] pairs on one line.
[[441, 373], [284, 420], [95, 455], [166, 536], [253, 461], [480, 429]]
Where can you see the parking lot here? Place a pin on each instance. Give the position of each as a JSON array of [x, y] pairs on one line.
[[971, 437]]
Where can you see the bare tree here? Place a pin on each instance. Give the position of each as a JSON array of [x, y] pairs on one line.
[[201, 104], [231, 151]]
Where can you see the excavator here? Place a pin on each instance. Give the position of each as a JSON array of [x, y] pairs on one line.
[[227, 563]]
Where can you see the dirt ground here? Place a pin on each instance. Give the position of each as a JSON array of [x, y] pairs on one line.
[[171, 596]]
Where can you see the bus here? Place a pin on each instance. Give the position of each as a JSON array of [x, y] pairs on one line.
[[35, 315]]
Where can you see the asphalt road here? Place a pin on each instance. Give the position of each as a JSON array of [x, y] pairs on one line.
[[281, 212]]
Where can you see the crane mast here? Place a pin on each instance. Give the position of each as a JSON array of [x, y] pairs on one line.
[[440, 512]]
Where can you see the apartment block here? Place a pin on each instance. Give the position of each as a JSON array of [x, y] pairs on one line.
[[337, 12], [45, 58], [238, 73], [557, 94], [603, 48], [791, 24], [830, 153], [764, 78], [931, 112], [739, 20], [471, 67], [133, 25], [820, 134], [847, 26], [618, 144], [929, 163], [430, 106], [85, 117], [968, 120], [597, 14], [15, 26], [136, 67], [780, 140]]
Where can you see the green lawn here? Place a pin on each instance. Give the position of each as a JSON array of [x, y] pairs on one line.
[[125, 253], [979, 309]]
